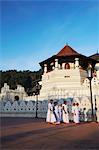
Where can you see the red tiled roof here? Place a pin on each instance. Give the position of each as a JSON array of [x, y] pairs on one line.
[[67, 51], [95, 56]]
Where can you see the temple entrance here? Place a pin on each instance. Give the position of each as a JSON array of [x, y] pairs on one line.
[[16, 98], [67, 66]]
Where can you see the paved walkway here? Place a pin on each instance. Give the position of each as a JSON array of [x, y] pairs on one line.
[[35, 134]]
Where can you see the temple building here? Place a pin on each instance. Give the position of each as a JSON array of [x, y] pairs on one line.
[[8, 94], [65, 75]]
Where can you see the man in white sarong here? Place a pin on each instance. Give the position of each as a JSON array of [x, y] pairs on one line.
[[76, 113], [50, 113], [73, 112], [60, 112], [65, 113], [48, 118], [56, 112], [85, 115], [97, 115]]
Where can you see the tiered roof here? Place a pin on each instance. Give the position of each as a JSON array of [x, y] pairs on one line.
[[67, 51], [68, 54]]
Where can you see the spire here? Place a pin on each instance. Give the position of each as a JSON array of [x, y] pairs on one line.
[[66, 43]]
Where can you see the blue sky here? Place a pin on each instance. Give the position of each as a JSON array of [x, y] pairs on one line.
[[32, 31]]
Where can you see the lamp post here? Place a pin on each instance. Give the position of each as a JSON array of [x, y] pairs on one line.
[[90, 78], [36, 91], [36, 116]]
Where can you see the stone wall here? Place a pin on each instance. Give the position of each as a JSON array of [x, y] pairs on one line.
[[23, 109], [28, 108]]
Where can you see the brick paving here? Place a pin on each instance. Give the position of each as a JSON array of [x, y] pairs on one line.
[[36, 134]]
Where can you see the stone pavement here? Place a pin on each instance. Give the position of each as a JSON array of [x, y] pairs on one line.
[[36, 134]]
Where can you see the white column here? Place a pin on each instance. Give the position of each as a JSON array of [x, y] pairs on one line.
[[56, 63], [97, 68], [63, 65], [76, 63], [72, 65], [45, 68], [97, 74]]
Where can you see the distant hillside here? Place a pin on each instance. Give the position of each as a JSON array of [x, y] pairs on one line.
[[25, 78]]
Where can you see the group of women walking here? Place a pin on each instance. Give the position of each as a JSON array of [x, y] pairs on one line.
[[58, 113]]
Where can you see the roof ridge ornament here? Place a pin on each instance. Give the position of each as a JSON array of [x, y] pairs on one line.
[[66, 43]]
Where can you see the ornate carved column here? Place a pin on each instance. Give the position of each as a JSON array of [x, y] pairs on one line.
[[56, 63], [76, 63], [97, 70], [45, 68]]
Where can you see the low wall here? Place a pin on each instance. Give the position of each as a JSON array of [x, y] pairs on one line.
[[22, 114], [23, 109], [28, 108]]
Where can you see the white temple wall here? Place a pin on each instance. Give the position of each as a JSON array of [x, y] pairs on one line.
[[9, 94], [28, 108], [61, 79]]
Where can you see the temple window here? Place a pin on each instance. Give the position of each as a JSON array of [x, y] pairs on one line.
[[67, 66]]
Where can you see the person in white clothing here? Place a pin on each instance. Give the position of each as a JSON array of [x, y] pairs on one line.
[[76, 113], [60, 112], [73, 112], [56, 112], [65, 113], [85, 115], [97, 114], [48, 118], [50, 113]]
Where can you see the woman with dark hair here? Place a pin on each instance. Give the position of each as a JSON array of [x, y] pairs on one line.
[[76, 113], [60, 112], [56, 112], [48, 118], [50, 113], [85, 115], [65, 113]]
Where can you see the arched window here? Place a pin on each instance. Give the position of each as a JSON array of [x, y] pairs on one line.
[[16, 98], [67, 66]]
